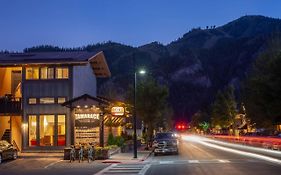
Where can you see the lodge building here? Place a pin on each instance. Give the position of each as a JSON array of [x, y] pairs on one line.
[[48, 100]]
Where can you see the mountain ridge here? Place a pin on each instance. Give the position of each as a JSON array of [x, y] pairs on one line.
[[194, 66]]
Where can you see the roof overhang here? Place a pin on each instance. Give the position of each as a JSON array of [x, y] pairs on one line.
[[85, 100], [99, 65]]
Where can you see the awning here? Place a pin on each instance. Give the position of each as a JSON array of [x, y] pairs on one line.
[[113, 121]]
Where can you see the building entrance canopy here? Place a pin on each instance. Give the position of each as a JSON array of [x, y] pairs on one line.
[[93, 115]]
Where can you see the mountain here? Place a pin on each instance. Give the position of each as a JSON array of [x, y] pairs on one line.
[[195, 66]]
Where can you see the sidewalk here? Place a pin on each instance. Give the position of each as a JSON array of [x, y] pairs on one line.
[[30, 155], [129, 157], [115, 157]]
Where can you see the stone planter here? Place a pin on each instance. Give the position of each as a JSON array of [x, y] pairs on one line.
[[66, 153], [102, 153]]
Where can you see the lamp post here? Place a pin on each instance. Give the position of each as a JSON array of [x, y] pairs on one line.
[[135, 112]]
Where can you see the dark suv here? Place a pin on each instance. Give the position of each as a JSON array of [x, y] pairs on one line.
[[165, 142]]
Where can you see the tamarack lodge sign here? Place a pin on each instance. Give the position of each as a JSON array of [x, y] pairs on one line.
[[87, 116], [117, 111]]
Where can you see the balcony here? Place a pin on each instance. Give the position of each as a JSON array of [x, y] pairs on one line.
[[10, 105]]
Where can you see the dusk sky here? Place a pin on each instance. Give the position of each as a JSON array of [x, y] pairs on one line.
[[73, 23]]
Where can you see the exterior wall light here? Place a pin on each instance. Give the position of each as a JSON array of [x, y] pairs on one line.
[[24, 126]]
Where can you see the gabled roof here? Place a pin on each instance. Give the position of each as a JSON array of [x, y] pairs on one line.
[[96, 59], [45, 57], [85, 100]]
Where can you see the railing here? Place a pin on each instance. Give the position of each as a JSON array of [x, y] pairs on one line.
[[10, 105], [15, 145]]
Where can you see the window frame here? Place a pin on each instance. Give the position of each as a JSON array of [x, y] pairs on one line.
[[61, 68], [48, 68], [54, 129], [56, 134], [57, 128], [32, 67], [36, 128], [54, 101], [28, 101], [65, 99]]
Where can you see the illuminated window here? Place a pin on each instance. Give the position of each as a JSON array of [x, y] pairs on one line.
[[61, 130], [61, 72], [32, 130], [32, 101], [47, 128], [47, 100], [47, 73], [61, 100], [32, 73]]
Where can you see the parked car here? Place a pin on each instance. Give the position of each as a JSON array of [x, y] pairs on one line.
[[7, 151], [165, 142]]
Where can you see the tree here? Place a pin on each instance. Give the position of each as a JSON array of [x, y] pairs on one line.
[[151, 99], [200, 120], [224, 109], [261, 92]]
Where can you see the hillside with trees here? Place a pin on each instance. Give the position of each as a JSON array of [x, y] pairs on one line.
[[194, 67]]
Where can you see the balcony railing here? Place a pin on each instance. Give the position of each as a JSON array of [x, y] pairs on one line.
[[10, 105]]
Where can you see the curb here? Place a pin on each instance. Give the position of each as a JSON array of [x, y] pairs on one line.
[[146, 157], [122, 161], [118, 150], [111, 161]]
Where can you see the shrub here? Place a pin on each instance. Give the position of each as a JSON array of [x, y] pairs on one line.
[[111, 139], [119, 140]]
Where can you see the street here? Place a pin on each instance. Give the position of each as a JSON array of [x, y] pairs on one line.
[[197, 158], [197, 155]]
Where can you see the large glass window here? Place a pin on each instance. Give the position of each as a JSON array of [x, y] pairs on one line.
[[61, 130], [47, 100], [32, 73], [32, 130], [61, 73], [47, 126], [47, 73]]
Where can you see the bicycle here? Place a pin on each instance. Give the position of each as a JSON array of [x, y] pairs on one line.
[[91, 154], [72, 154], [81, 152]]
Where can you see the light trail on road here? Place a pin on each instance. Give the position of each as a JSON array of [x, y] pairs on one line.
[[250, 148], [204, 141]]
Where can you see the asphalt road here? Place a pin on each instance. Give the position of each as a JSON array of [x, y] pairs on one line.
[[202, 159], [196, 156]]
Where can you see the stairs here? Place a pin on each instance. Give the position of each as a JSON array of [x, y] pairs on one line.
[[7, 135]]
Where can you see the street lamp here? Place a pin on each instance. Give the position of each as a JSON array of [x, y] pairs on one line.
[[142, 72]]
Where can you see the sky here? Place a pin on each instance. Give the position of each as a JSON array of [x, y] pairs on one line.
[[74, 23]]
